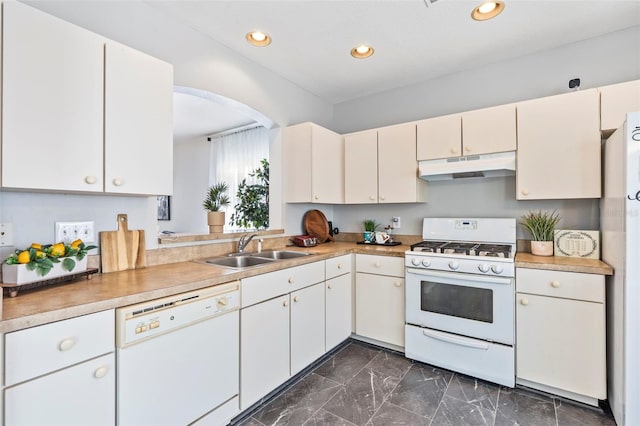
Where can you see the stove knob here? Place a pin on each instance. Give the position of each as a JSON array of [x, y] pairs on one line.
[[415, 262], [426, 263], [497, 269], [454, 265], [483, 267]]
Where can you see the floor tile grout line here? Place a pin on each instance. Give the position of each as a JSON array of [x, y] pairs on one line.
[[441, 398], [495, 411], [338, 389]]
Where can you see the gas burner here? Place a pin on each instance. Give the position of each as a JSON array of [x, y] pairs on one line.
[[428, 246], [494, 250], [458, 248]]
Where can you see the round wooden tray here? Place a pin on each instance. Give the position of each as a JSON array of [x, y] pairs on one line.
[[315, 224]]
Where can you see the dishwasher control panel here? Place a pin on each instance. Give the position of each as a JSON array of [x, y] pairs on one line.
[[149, 319]]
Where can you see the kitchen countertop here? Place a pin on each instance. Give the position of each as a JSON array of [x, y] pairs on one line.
[[117, 289], [562, 263]]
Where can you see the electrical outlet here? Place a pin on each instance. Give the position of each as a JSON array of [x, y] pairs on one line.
[[395, 222], [67, 232], [6, 234]]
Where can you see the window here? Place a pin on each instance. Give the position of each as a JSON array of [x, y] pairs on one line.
[[233, 157]]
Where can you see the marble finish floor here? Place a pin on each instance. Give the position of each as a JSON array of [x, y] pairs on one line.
[[366, 385]]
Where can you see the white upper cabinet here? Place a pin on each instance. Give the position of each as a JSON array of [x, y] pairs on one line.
[[381, 166], [439, 137], [52, 103], [361, 167], [138, 122], [314, 164], [615, 101], [489, 130], [559, 147]]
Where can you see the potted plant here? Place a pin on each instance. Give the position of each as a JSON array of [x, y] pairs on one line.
[[216, 199], [370, 227], [252, 209], [541, 226]]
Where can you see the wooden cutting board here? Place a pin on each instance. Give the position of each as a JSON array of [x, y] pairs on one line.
[[122, 249], [315, 224]]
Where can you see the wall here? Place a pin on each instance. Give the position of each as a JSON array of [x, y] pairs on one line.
[[609, 59]]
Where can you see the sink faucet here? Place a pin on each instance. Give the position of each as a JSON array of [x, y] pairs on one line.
[[243, 241]]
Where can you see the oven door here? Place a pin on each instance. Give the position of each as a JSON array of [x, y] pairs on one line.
[[469, 305]]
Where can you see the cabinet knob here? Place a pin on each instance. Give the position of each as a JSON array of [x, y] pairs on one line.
[[290, 280], [285, 303], [101, 372], [382, 197], [222, 302], [118, 182], [339, 266], [397, 284], [453, 150], [90, 180], [371, 197], [66, 344], [467, 148], [330, 286], [377, 264], [525, 192], [555, 284], [316, 198], [524, 301], [296, 298]]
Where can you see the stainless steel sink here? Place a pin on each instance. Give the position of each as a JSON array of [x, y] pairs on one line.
[[238, 261], [280, 254]]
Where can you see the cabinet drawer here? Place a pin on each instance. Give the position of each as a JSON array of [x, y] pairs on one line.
[[338, 266], [381, 265], [39, 350], [266, 286], [569, 285]]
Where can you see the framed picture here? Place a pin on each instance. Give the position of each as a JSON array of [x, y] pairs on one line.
[[164, 207]]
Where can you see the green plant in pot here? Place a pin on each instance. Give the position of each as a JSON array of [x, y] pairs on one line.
[[370, 227], [541, 226], [216, 199], [252, 209]]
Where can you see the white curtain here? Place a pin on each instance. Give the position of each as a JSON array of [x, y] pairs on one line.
[[233, 157]]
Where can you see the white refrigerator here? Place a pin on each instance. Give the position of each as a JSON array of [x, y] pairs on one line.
[[620, 224]]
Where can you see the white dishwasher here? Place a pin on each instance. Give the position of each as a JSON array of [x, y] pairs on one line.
[[177, 359]]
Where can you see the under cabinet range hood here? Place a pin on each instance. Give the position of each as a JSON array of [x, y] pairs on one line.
[[471, 166]]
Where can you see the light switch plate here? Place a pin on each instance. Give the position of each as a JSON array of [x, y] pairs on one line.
[[67, 232], [6, 234]]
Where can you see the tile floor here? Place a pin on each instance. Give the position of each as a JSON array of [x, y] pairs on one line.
[[366, 385]]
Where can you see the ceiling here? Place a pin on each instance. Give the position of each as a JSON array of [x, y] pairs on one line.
[[414, 40]]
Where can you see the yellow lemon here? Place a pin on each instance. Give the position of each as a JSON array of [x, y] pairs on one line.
[[76, 244], [36, 246], [24, 257], [57, 250], [40, 254]]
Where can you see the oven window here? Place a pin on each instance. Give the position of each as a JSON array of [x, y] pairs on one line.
[[457, 301]]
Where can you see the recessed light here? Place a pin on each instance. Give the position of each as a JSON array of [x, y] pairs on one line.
[[362, 51], [258, 38], [487, 10]]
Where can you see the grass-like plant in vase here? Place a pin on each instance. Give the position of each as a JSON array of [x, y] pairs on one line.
[[541, 226], [216, 199], [370, 227]]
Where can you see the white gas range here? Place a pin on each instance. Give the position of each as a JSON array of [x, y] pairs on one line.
[[460, 297]]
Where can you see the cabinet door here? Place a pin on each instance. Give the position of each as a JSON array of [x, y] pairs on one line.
[[397, 166], [361, 168], [80, 395], [338, 310], [264, 349], [52, 108], [380, 308], [138, 122], [559, 147], [561, 343], [439, 137], [489, 130], [616, 100], [307, 326], [296, 155], [327, 166]]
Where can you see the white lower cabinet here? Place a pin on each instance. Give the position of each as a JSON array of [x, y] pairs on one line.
[[80, 395], [264, 348], [560, 331], [380, 298], [338, 310], [307, 326]]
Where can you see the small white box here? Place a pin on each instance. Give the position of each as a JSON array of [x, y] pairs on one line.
[[576, 243]]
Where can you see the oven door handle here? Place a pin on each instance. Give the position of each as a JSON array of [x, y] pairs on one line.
[[456, 340], [462, 277]]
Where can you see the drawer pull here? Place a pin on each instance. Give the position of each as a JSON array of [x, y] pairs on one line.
[[330, 286], [67, 344], [339, 266], [555, 284], [291, 280], [100, 372], [524, 302], [377, 264], [285, 303]]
